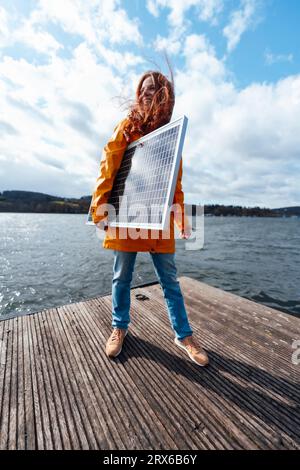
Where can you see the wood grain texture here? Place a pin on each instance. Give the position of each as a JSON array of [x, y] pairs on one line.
[[58, 390]]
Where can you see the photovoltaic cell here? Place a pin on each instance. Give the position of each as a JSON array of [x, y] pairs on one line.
[[144, 186]]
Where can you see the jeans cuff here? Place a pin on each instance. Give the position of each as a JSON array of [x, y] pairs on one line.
[[181, 337], [122, 326]]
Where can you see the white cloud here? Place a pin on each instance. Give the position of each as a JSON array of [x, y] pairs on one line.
[[240, 21], [171, 44], [210, 9], [271, 58], [183, 11], [121, 61], [41, 41], [3, 22], [15, 29], [179, 21], [207, 10], [94, 20], [201, 58]]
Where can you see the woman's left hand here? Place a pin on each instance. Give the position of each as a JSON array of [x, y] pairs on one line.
[[127, 136]]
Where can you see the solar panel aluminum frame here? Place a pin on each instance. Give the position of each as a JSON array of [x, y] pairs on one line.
[[182, 123]]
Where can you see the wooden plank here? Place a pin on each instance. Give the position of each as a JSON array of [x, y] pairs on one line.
[[30, 428], [36, 398], [39, 360], [6, 384], [50, 422], [62, 434], [68, 384], [3, 366], [20, 425], [51, 436], [100, 438], [13, 393]]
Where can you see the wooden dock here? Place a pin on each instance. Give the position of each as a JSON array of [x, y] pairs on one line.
[[58, 390]]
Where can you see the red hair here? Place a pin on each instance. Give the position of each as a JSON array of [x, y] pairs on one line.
[[160, 111]]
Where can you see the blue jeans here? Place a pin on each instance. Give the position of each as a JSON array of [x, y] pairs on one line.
[[165, 269]]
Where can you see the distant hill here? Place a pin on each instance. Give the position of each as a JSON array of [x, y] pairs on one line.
[[217, 210], [29, 201], [288, 211]]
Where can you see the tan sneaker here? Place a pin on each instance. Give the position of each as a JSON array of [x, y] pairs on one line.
[[194, 350], [115, 342]]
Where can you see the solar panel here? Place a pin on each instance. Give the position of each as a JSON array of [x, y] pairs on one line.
[[144, 186]]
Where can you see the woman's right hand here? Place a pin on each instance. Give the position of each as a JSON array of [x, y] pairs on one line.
[[102, 225]]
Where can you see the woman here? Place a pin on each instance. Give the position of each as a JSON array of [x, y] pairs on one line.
[[152, 109]]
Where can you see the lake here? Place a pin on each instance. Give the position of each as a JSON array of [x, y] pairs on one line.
[[49, 260]]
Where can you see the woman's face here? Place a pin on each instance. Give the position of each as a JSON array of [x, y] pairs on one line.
[[147, 91]]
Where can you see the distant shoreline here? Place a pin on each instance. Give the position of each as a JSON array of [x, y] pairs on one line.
[[34, 202]]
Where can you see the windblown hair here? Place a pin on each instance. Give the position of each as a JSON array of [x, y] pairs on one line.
[[161, 109]]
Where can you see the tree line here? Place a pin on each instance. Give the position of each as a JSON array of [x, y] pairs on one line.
[[29, 201]]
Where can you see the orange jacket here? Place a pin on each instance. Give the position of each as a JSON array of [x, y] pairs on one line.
[[143, 239]]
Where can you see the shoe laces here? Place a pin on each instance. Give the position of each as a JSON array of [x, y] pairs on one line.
[[193, 346], [116, 334]]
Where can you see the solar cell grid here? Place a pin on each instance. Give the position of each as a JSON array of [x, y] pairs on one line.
[[145, 183]]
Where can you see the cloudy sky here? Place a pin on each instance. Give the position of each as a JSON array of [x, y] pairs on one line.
[[65, 63]]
